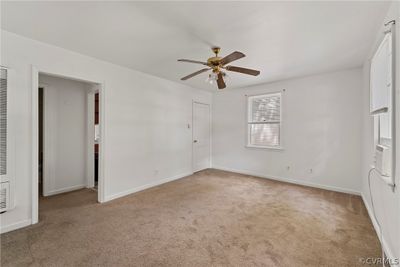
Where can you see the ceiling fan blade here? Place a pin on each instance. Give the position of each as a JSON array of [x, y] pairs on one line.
[[193, 61], [232, 57], [220, 81], [194, 74], [243, 70]]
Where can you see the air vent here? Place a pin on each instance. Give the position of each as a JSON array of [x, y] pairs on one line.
[[3, 121], [4, 196]]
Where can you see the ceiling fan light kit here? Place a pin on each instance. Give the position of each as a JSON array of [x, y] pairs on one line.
[[213, 77], [217, 64]]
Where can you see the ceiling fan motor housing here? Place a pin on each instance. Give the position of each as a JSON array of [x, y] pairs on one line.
[[214, 61]]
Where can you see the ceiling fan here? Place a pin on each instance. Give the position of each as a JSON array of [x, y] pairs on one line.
[[218, 66]]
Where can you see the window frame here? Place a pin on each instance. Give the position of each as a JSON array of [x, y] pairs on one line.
[[248, 123]]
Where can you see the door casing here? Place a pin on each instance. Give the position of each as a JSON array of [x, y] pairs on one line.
[[35, 133]]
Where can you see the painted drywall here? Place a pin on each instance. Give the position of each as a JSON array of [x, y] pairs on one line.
[[147, 139], [321, 132], [65, 127], [283, 39], [386, 201]]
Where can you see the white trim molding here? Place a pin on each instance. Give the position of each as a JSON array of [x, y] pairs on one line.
[[384, 244], [65, 189], [15, 226], [147, 186], [35, 133], [35, 145], [289, 180]]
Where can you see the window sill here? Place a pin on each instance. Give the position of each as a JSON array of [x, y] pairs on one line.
[[266, 147]]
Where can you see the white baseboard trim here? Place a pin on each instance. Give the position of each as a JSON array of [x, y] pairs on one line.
[[388, 252], [146, 186], [25, 223], [15, 226], [292, 181], [65, 189]]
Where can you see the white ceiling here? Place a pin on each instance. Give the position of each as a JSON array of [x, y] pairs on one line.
[[281, 39]]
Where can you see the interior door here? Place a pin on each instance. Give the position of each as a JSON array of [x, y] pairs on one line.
[[201, 136]]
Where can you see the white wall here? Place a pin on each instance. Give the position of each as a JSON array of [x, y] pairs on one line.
[[146, 140], [321, 131], [387, 202], [65, 137]]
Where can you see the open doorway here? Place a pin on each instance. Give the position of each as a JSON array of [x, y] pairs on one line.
[[96, 138], [68, 137]]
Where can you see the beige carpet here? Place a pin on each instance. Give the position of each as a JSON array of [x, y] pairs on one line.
[[210, 218]]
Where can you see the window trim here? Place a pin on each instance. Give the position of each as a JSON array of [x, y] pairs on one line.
[[247, 121]]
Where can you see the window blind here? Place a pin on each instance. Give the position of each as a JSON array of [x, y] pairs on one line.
[[264, 120]]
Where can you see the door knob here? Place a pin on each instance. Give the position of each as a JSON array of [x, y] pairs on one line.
[[194, 141]]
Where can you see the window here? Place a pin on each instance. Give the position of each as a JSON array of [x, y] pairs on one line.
[[264, 120], [381, 89]]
